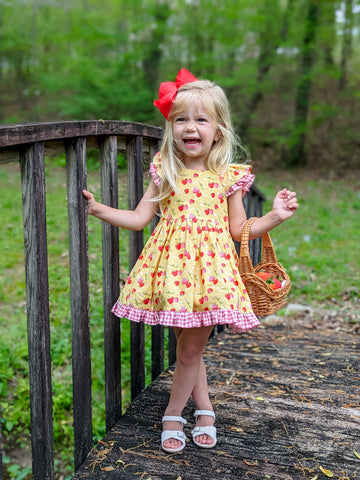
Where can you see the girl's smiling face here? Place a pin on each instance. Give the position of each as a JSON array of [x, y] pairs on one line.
[[195, 132]]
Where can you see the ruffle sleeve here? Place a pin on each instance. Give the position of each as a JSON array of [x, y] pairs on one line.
[[155, 169], [239, 178]]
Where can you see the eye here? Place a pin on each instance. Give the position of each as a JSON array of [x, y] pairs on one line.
[[179, 119], [202, 120]]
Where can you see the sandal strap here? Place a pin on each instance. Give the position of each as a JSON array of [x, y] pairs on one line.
[[173, 418], [209, 430], [209, 413], [176, 434]]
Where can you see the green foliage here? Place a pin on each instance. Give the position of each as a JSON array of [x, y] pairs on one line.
[[317, 246], [14, 387], [77, 60]]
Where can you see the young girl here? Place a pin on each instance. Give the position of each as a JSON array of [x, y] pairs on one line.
[[187, 275]]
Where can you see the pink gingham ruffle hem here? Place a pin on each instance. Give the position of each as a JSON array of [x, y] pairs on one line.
[[238, 321]]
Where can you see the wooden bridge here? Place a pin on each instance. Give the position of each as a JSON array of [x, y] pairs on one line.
[[287, 405], [286, 400]]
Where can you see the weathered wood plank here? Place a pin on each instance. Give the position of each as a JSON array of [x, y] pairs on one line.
[[79, 285], [37, 300], [172, 346], [136, 242], [28, 133], [157, 350], [287, 402], [57, 147], [110, 255], [157, 332]]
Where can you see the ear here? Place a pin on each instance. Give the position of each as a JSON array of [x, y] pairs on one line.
[[217, 135]]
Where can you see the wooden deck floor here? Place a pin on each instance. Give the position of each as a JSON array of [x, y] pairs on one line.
[[287, 402]]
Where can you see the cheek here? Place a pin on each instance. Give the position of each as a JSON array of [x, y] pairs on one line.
[[176, 131]]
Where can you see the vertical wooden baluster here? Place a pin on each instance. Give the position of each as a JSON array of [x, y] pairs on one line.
[[136, 239], [37, 299], [172, 346], [110, 249], [79, 292], [157, 332], [157, 336]]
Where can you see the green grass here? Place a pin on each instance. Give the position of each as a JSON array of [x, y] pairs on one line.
[[318, 246], [13, 346]]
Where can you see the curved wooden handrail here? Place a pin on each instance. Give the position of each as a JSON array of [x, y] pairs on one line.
[[12, 135], [29, 144]]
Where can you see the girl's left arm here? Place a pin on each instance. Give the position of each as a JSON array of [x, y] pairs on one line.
[[284, 206]]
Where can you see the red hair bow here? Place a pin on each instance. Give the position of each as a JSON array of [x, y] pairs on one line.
[[168, 91]]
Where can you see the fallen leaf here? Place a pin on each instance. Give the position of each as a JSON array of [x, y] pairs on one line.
[[326, 472], [315, 478], [356, 454], [260, 399], [250, 464], [107, 469], [236, 429]]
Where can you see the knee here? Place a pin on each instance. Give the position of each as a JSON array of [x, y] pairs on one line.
[[188, 355]]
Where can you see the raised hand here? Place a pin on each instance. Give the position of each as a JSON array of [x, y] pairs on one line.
[[285, 204]]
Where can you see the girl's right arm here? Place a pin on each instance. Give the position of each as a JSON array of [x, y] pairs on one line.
[[130, 219]]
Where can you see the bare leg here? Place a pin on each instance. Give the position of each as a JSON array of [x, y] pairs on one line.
[[201, 397], [190, 345]]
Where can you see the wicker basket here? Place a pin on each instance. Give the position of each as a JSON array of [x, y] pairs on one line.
[[264, 299]]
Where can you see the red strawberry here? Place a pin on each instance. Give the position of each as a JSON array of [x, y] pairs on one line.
[[276, 285], [264, 275]]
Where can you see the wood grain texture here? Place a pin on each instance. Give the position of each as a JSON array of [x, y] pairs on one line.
[[136, 243], [32, 132], [287, 402], [79, 296], [110, 256], [37, 301]]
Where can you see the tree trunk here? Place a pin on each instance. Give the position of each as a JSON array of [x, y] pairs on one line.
[[270, 41], [153, 52], [327, 33], [346, 45], [296, 155]]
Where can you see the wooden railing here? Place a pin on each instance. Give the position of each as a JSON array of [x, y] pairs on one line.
[[29, 144]]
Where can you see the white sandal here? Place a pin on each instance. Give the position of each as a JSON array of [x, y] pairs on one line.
[[175, 434], [209, 430]]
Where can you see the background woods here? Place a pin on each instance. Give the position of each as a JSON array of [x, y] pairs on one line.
[[290, 68], [291, 71]]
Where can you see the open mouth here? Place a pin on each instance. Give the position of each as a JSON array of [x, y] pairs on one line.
[[191, 141]]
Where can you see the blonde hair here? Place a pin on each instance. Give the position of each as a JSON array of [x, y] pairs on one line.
[[214, 101]]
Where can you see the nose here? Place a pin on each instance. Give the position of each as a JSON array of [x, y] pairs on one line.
[[190, 126]]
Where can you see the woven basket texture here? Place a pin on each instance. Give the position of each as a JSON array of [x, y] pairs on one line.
[[264, 300]]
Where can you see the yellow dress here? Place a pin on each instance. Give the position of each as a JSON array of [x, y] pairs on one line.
[[187, 274]]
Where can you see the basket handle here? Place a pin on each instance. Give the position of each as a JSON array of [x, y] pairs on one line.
[[268, 252]]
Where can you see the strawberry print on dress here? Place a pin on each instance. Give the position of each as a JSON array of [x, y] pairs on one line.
[[187, 274]]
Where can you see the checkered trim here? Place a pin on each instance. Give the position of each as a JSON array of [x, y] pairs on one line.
[[155, 175], [244, 183], [239, 322]]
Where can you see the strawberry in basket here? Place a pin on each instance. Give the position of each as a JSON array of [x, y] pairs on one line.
[[274, 282]]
